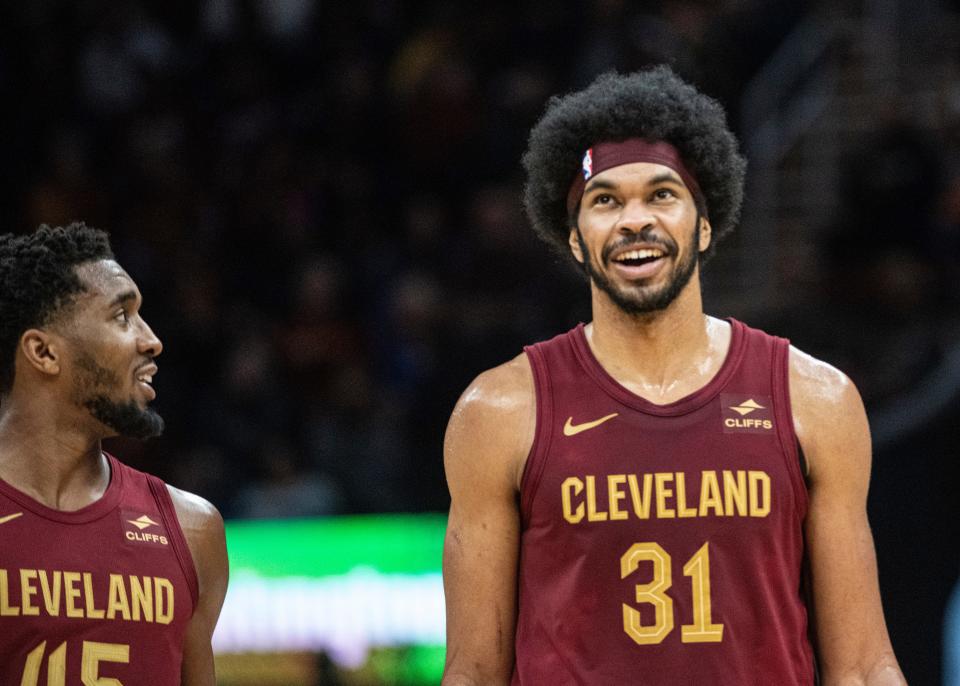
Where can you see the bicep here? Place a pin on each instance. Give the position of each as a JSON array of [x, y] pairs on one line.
[[479, 579], [205, 537], [197, 668], [486, 442], [848, 617], [849, 625]]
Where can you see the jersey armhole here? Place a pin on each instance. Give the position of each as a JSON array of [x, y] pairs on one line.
[[804, 468], [537, 458], [790, 444], [168, 514]]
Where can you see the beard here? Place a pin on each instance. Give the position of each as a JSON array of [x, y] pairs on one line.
[[91, 390], [639, 301], [127, 419]]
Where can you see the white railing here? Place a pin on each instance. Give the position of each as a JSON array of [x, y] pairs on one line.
[[780, 104]]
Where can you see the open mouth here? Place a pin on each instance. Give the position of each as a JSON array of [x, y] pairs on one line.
[[144, 379], [639, 257]]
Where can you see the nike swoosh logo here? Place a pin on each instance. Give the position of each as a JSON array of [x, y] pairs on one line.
[[4, 520], [571, 429]]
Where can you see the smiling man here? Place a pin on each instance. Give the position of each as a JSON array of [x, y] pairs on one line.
[[107, 575], [659, 496]]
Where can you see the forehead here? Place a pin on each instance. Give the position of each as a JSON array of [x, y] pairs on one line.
[[636, 172], [104, 279]]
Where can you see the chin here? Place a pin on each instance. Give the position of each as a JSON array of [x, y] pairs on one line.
[[129, 419], [640, 301]]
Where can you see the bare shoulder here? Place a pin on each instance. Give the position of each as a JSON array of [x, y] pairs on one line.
[[202, 526], [852, 641], [828, 413], [196, 514], [818, 387], [485, 448], [495, 417], [502, 391]]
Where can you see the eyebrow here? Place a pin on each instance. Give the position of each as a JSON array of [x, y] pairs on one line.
[[665, 177], [124, 298], [599, 183]]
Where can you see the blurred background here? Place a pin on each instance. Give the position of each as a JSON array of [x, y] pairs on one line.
[[321, 204]]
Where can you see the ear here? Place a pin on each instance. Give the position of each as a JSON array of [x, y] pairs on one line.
[[574, 241], [41, 350], [705, 234]]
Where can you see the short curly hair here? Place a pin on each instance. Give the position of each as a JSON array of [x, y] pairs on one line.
[[38, 278], [654, 104]]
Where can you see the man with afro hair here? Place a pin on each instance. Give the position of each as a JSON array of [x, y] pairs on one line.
[[107, 575], [658, 496]]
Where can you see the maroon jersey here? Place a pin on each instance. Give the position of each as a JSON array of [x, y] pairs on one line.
[[662, 544], [101, 595]]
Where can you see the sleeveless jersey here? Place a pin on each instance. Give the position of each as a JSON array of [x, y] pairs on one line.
[[100, 595], [662, 544]]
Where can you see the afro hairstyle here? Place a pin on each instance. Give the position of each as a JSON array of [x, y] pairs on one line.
[[654, 104], [38, 278]]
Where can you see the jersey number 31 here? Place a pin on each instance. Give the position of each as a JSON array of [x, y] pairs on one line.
[[702, 630]]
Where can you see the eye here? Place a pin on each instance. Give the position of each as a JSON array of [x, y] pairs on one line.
[[122, 317], [664, 194], [603, 199]]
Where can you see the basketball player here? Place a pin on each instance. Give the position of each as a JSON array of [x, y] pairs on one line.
[[633, 501], [108, 577]]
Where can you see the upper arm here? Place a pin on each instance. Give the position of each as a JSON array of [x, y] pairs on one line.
[[203, 528], [488, 437], [831, 424]]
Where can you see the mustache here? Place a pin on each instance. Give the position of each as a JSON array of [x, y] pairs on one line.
[[147, 361], [644, 237]]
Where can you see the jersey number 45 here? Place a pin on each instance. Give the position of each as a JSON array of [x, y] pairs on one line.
[[93, 654]]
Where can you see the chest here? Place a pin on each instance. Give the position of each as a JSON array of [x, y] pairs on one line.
[[723, 467]]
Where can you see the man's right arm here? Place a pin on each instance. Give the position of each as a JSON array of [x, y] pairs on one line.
[[487, 441]]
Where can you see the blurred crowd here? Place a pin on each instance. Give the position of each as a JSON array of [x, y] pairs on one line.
[[321, 204]]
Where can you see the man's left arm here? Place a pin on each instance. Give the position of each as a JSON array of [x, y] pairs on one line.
[[203, 528], [853, 646]]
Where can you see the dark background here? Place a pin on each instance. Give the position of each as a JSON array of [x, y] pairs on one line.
[[320, 202]]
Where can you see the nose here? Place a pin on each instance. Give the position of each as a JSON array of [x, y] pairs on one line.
[[634, 217], [149, 344]]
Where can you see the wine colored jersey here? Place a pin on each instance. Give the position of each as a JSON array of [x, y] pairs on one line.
[[100, 595], [662, 544]]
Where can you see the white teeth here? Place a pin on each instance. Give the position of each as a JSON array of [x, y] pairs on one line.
[[640, 254], [146, 378]]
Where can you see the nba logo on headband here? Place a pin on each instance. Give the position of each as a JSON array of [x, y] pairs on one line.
[[588, 164]]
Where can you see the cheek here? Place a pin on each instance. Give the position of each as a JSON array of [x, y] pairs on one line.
[[104, 358]]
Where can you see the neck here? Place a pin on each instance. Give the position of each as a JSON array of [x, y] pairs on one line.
[[661, 355], [55, 460]]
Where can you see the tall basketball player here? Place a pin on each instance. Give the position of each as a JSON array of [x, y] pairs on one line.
[[645, 499], [108, 577]]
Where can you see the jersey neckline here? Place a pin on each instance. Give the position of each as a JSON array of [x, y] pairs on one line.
[[95, 510], [688, 403]]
